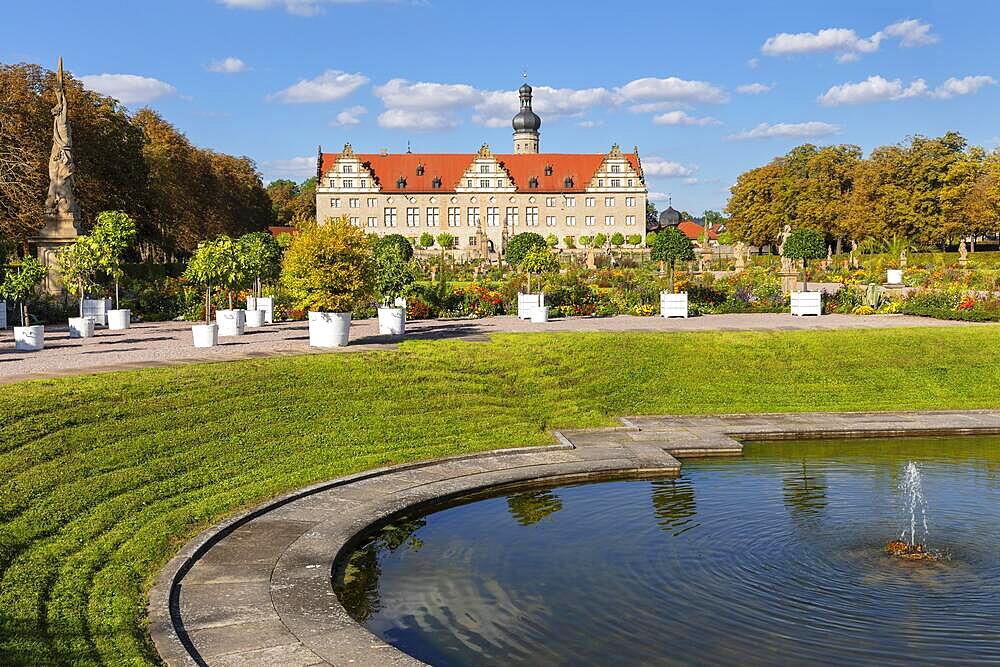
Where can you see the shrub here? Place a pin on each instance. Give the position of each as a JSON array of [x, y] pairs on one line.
[[671, 246], [113, 233], [426, 240], [538, 261], [520, 244], [259, 254], [568, 242], [328, 268], [446, 241], [209, 267], [397, 240], [392, 274], [20, 285], [618, 239], [634, 240], [600, 240], [79, 263], [804, 244]]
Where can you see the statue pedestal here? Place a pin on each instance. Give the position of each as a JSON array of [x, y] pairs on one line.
[[59, 231], [789, 281]]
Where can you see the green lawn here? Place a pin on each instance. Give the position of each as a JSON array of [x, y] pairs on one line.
[[105, 477]]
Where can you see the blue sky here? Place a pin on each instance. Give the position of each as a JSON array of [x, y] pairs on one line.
[[705, 89]]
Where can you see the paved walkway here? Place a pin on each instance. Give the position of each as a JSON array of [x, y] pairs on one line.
[[256, 590], [169, 343]]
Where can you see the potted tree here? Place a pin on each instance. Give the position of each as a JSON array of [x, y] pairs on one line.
[[78, 264], [112, 234], [392, 277], [232, 321], [18, 286], [206, 268], [426, 241], [328, 270], [536, 262], [670, 246], [258, 253], [518, 246], [634, 240], [405, 247], [803, 245]]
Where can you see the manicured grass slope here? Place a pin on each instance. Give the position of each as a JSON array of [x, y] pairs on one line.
[[104, 477]]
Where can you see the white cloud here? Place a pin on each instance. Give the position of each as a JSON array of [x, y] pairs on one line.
[[753, 88], [753, 62], [587, 124], [800, 130], [681, 118], [350, 116], [329, 86], [496, 107], [128, 88], [228, 65], [410, 119], [401, 94], [879, 89], [911, 33], [653, 107], [872, 89], [296, 168], [658, 167], [691, 180], [846, 42], [296, 7], [670, 89], [658, 196], [964, 86]]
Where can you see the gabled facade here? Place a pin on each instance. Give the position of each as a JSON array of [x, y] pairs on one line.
[[568, 195]]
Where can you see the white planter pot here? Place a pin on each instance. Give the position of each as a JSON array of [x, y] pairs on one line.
[[526, 303], [673, 305], [391, 321], [265, 303], [894, 276], [81, 327], [98, 309], [119, 319], [256, 318], [329, 329], [807, 303], [29, 339], [205, 335], [231, 322], [540, 314], [3, 314]]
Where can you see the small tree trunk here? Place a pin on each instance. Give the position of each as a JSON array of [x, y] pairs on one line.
[[117, 302], [230, 296], [82, 295], [208, 305], [671, 278], [24, 314]]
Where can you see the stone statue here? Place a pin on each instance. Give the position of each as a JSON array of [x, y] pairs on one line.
[[741, 252], [902, 258], [785, 233], [963, 254], [60, 201]]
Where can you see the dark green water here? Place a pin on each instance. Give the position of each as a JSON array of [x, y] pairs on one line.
[[773, 558]]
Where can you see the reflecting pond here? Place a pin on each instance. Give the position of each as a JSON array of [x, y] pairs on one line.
[[775, 557]]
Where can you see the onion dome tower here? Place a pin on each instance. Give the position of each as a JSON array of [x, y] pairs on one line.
[[526, 124]]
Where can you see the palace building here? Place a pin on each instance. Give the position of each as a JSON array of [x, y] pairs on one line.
[[484, 198]]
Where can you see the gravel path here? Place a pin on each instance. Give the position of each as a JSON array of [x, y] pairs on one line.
[[169, 343]]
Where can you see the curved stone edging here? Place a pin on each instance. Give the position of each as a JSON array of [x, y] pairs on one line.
[[256, 589]]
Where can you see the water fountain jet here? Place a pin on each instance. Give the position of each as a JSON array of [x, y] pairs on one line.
[[914, 504]]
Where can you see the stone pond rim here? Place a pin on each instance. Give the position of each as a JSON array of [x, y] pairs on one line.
[[256, 589]]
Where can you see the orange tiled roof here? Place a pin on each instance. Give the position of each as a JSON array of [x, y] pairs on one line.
[[450, 167], [696, 232]]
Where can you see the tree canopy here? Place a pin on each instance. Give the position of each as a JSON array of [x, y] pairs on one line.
[[519, 245]]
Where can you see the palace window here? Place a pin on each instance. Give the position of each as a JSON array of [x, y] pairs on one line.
[[432, 216], [550, 201], [500, 183], [348, 183], [533, 182], [330, 183], [454, 216], [354, 203], [468, 182], [389, 217], [420, 170], [484, 183], [600, 182], [372, 221], [616, 168], [568, 182], [412, 216], [348, 169], [571, 221], [531, 216], [609, 220], [629, 220], [616, 182], [372, 202], [550, 220], [591, 201], [356, 222], [473, 216], [436, 183], [401, 182], [335, 203], [630, 182], [630, 201], [570, 201], [609, 201], [484, 169], [548, 170], [512, 216], [472, 241], [590, 221], [364, 183], [493, 216]]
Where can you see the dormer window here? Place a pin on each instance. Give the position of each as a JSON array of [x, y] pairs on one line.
[[420, 170], [568, 182], [548, 170], [533, 182], [401, 182], [436, 183]]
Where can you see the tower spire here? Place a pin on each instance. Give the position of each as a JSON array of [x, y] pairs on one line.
[[526, 123]]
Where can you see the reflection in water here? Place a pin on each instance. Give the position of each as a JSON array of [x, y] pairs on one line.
[[359, 585], [780, 560], [804, 491], [673, 504], [532, 506]]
